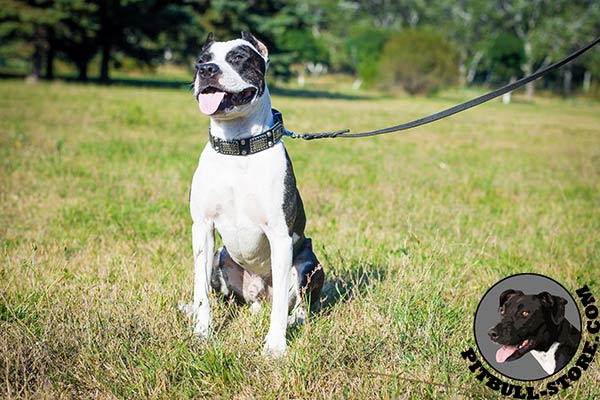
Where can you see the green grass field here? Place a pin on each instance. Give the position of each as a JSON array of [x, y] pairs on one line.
[[412, 229]]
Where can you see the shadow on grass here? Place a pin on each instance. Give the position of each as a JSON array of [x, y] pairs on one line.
[[313, 94], [133, 82], [458, 98], [180, 84], [341, 287]]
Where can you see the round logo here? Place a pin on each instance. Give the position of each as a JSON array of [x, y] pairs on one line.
[[527, 327]]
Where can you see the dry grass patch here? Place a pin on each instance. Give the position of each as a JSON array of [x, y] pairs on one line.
[[412, 230]]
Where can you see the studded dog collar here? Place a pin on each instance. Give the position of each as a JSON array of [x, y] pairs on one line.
[[254, 144]]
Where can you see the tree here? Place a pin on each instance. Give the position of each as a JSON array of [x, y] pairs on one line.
[[133, 28], [524, 18], [76, 30], [505, 56], [468, 24], [278, 23], [365, 46], [571, 24], [30, 24], [76, 34], [52, 28], [419, 61]]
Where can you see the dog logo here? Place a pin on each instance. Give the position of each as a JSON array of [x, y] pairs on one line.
[[527, 327]]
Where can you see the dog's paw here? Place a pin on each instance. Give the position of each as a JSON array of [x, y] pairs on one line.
[[186, 309], [275, 347], [255, 308], [200, 317], [202, 329]]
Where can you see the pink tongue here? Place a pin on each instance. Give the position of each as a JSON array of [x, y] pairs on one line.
[[504, 352], [209, 102]]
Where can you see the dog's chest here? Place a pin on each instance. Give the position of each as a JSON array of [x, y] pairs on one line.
[[242, 195], [547, 359]]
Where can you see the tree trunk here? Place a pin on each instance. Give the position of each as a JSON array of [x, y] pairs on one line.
[[530, 90], [104, 64], [567, 79], [587, 81], [36, 64], [473, 67], [528, 69], [82, 67], [50, 54], [105, 41], [506, 97]]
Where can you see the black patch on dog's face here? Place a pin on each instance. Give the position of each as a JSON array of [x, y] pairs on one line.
[[204, 58], [249, 65], [205, 55]]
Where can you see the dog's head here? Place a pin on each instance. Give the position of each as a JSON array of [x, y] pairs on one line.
[[230, 76], [527, 322]]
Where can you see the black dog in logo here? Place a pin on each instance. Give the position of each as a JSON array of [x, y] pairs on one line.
[[535, 324]]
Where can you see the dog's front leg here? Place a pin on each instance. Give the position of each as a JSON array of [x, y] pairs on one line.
[[281, 264], [203, 244]]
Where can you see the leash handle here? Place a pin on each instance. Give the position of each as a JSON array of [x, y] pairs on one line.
[[455, 109]]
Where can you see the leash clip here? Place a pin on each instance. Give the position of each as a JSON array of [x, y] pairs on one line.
[[291, 134]]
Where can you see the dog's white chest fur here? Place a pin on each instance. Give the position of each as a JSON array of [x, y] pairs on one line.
[[243, 196], [547, 359]]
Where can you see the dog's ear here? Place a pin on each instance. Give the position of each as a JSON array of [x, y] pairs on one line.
[[555, 304], [210, 39], [258, 45], [507, 294]]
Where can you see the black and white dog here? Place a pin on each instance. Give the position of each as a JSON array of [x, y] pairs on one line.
[[535, 324], [245, 187]]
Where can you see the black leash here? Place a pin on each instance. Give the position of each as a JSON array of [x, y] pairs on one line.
[[452, 110]]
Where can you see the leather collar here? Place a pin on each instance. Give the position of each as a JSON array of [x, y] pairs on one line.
[[252, 145]]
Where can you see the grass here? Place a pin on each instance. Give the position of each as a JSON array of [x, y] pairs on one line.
[[411, 229]]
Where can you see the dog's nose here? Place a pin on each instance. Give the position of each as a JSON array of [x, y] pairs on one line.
[[208, 70], [493, 334]]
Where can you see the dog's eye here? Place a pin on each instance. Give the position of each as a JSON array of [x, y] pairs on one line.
[[239, 57], [524, 313]]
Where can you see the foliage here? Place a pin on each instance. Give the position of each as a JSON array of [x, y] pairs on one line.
[[569, 25], [303, 46], [348, 36], [364, 47], [133, 28], [77, 30], [283, 25], [418, 61], [505, 56], [27, 29]]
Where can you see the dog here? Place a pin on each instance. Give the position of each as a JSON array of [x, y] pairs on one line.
[[534, 324], [245, 188]]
